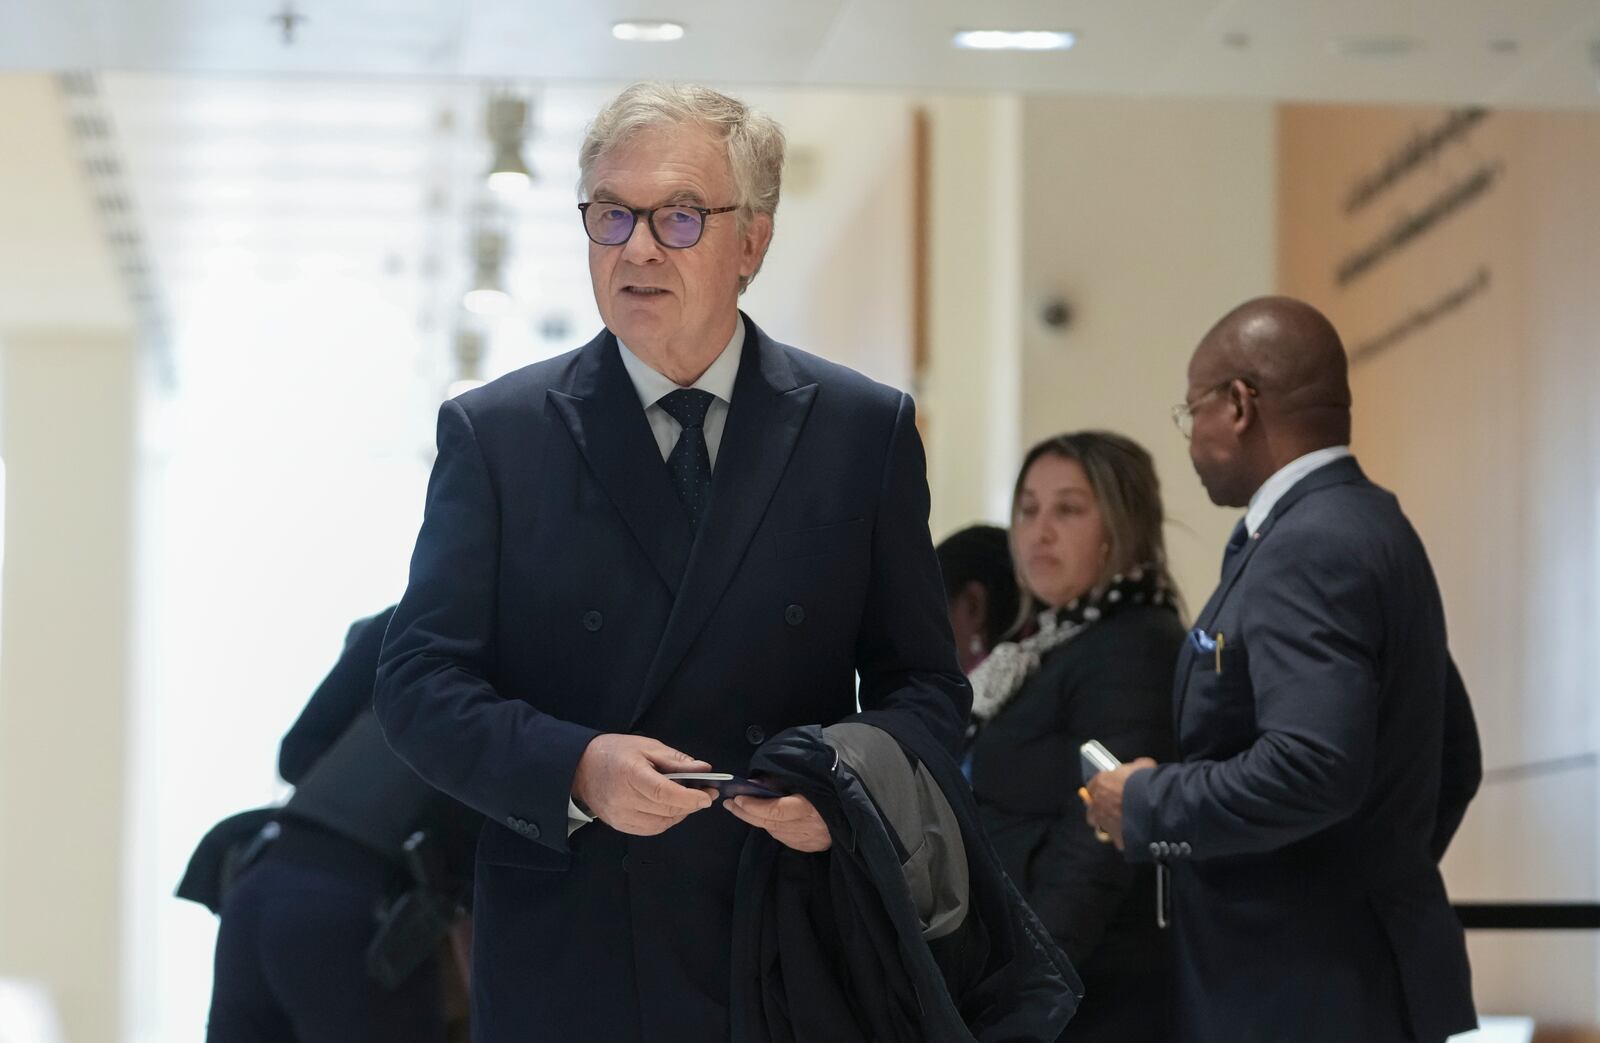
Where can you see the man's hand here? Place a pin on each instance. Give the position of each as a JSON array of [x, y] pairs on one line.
[[791, 820], [1105, 798], [619, 779]]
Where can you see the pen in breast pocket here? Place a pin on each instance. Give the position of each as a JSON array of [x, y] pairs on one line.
[[1220, 642]]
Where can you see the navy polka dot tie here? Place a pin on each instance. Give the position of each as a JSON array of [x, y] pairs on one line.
[[690, 461]]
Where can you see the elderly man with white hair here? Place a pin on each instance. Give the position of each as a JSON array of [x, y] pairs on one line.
[[645, 557]]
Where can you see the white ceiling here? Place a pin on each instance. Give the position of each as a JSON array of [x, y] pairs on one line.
[[1527, 52], [352, 156]]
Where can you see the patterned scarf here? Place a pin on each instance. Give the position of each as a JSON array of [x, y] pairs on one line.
[[998, 679]]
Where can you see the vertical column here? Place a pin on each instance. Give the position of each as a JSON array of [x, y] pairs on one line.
[[972, 387], [67, 435]]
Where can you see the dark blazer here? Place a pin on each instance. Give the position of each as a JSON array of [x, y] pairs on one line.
[[558, 591], [1113, 682], [1327, 758]]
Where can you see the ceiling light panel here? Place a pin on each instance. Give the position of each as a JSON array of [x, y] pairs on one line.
[[647, 31], [1014, 39]]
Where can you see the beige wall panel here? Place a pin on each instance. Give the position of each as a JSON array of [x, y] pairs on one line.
[[68, 438]]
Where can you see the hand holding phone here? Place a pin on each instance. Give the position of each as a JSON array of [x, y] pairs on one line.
[[726, 785]]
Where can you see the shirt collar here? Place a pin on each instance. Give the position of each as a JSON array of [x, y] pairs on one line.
[[718, 378], [1286, 478]]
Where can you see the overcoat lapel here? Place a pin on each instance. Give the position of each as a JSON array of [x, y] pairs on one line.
[[765, 418], [608, 424]]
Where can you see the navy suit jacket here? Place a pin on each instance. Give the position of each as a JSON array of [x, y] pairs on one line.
[[1327, 757], [558, 590]]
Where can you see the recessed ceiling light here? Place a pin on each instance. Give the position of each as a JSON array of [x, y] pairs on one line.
[[509, 182], [486, 300], [1376, 46], [647, 31], [1014, 39]]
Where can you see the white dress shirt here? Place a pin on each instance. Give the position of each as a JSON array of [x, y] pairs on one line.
[[717, 379], [1287, 476], [652, 388]]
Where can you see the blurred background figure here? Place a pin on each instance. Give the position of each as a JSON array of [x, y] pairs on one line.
[[342, 913], [980, 583], [1092, 659]]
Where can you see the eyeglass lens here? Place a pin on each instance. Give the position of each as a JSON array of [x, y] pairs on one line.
[[610, 224]]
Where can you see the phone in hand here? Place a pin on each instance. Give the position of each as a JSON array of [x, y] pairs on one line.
[[1094, 758], [725, 784]]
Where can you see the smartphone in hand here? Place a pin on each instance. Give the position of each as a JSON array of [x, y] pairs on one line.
[[1094, 758], [725, 784]]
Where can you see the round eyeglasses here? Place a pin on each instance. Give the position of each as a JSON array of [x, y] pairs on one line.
[[1183, 413], [676, 227]]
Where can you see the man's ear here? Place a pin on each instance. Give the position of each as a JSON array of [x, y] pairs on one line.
[[754, 242], [1242, 397]]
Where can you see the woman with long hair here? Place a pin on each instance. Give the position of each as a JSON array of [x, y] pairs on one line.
[[1091, 657]]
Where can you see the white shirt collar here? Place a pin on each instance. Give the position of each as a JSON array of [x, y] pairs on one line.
[[717, 379], [1286, 478]]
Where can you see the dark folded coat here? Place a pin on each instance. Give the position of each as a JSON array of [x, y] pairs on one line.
[[831, 947]]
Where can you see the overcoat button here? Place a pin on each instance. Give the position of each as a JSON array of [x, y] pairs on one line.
[[593, 621], [754, 735], [794, 615]]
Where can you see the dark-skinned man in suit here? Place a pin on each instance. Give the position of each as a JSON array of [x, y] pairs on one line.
[[1327, 747], [647, 556]]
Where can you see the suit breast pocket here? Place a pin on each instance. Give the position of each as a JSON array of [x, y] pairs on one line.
[[821, 540], [1219, 707]]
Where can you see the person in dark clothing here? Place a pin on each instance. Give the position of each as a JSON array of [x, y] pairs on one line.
[[642, 558], [980, 583], [1328, 745], [292, 962], [1093, 659]]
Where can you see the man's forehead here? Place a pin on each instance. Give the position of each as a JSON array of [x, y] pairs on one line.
[[673, 147]]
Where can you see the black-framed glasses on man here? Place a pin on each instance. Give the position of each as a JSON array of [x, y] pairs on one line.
[[676, 227], [1183, 412]]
